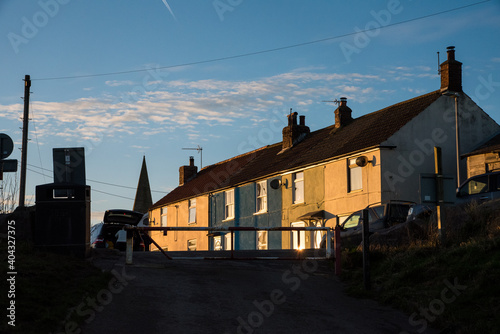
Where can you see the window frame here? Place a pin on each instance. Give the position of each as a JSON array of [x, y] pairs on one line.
[[351, 167], [228, 205], [192, 242], [192, 211], [260, 199], [295, 181], [163, 217], [259, 245]]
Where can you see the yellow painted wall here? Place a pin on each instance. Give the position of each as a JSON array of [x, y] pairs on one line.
[[177, 215], [338, 201], [314, 191]]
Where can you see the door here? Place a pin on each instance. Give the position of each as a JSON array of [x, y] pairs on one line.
[[298, 237]]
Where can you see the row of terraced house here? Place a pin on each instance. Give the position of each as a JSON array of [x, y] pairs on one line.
[[311, 177]]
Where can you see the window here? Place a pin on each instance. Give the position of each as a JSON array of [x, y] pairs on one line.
[[192, 211], [227, 241], [164, 217], [261, 197], [475, 186], [218, 243], [298, 187], [261, 240], [355, 179], [229, 204], [191, 245]]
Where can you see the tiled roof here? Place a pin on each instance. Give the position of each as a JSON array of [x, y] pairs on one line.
[[324, 144], [492, 145]]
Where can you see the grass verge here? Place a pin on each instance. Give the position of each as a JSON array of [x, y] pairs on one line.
[[47, 285], [453, 287]]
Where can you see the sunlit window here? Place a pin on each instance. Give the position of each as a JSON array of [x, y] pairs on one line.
[[192, 211], [229, 195], [354, 176], [298, 187], [261, 196]]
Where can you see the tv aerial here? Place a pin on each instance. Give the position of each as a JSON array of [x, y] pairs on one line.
[[200, 150], [337, 102]]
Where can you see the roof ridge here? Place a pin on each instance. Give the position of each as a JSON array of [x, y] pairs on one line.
[[239, 156]]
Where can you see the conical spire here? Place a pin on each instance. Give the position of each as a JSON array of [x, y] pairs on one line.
[[143, 200]]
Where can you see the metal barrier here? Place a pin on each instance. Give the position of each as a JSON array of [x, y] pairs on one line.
[[130, 229]]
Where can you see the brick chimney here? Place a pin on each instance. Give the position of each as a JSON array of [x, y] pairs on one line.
[[451, 73], [187, 173], [342, 113], [293, 133]]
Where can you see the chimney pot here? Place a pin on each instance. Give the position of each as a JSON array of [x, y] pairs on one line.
[[191, 161], [450, 50], [302, 120]]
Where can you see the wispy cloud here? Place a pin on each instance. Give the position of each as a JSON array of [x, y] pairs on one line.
[[186, 105], [116, 83]]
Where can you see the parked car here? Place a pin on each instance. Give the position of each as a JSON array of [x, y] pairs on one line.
[[113, 221], [380, 217], [420, 212], [479, 188]]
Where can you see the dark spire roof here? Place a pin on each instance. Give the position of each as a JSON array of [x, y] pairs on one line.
[[143, 200]]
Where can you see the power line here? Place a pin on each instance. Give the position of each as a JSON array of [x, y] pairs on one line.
[[95, 181], [93, 189], [263, 51]]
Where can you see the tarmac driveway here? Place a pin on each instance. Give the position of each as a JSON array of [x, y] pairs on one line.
[[155, 295]]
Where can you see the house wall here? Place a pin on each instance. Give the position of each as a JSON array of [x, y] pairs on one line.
[[338, 200], [483, 163], [314, 194], [177, 215], [245, 216], [415, 141]]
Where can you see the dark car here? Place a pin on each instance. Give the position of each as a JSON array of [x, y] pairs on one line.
[[380, 217], [479, 188], [114, 221], [420, 212]]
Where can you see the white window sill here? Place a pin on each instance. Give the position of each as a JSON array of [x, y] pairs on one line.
[[228, 219], [260, 213]]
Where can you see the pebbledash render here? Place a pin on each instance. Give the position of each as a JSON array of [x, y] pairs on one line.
[[312, 176]]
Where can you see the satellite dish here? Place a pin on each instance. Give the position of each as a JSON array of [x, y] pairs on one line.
[[362, 161], [275, 184]]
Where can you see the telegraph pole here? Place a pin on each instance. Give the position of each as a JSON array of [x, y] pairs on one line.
[[24, 149]]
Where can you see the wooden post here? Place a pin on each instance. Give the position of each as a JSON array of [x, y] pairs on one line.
[[438, 169], [338, 254], [366, 248]]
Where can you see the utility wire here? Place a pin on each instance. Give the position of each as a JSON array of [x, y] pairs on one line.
[[262, 51], [93, 189], [106, 183]]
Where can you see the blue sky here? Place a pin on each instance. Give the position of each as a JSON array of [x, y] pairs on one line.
[[273, 55]]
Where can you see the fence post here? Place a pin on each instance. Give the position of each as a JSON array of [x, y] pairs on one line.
[[130, 247], [338, 255], [366, 249]]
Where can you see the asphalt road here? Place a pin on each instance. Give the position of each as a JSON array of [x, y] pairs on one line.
[[155, 295]]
